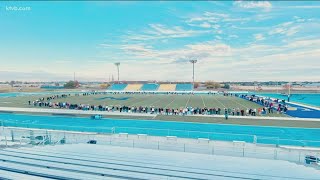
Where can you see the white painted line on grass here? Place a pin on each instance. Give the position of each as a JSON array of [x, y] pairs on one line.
[[204, 104], [188, 100], [140, 101], [155, 101], [219, 101], [170, 103], [239, 103]]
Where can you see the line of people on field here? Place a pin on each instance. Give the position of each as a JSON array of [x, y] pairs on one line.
[[268, 106], [152, 109]]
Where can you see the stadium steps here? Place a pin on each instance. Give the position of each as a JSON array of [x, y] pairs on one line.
[[133, 87], [167, 87]]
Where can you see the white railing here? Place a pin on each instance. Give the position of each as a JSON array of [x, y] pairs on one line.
[[217, 136], [14, 136]]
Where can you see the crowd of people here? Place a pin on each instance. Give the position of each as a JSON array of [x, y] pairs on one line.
[[268, 106]]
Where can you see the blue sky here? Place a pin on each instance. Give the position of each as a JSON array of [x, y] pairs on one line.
[[232, 40]]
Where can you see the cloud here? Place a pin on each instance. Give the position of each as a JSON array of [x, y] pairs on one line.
[[32, 76], [249, 28], [295, 60], [197, 50], [62, 61], [214, 18], [215, 26], [287, 28], [303, 7], [233, 36], [293, 30], [205, 25], [253, 4], [259, 37], [138, 50], [254, 62], [106, 45], [217, 23], [159, 31], [304, 43], [218, 37], [219, 31]]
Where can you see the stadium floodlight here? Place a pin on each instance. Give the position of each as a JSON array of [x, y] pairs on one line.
[[193, 61], [117, 64]]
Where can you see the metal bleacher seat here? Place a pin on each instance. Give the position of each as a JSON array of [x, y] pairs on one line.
[[17, 175], [150, 87], [77, 161], [184, 87], [133, 87], [118, 87], [95, 161], [167, 87]]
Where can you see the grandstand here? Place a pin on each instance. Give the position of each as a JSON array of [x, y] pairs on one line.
[[118, 87], [167, 87], [133, 87], [51, 87], [150, 87], [184, 87]]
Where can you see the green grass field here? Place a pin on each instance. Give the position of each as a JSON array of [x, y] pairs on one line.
[[165, 101]]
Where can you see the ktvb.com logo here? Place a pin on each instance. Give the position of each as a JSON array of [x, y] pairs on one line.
[[18, 8]]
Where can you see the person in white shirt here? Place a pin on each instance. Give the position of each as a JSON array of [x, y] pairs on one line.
[[254, 112]]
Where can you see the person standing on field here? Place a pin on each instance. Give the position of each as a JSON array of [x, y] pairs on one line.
[[226, 113]]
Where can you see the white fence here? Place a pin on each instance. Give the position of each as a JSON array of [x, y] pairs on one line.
[[24, 136], [215, 136]]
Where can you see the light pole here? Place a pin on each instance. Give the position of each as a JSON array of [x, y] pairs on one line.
[[117, 64], [193, 62]]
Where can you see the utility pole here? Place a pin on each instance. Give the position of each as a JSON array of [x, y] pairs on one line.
[[193, 62], [118, 64]]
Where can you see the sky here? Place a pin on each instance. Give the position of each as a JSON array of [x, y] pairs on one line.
[[232, 40]]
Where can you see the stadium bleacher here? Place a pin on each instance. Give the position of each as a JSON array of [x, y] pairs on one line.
[[118, 87], [167, 87], [93, 161], [133, 87], [184, 87], [150, 87], [51, 87]]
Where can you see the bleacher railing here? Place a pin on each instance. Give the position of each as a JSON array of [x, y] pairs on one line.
[[248, 138], [12, 136]]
